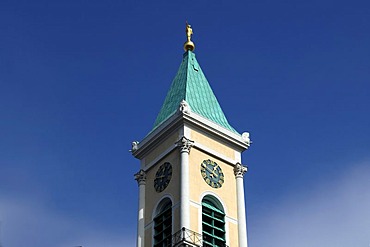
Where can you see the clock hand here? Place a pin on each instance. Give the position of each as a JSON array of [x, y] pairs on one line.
[[209, 169], [212, 171], [214, 174]]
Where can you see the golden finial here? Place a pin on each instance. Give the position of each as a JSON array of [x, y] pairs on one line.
[[189, 45]]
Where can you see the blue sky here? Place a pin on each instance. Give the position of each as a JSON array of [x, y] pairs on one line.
[[80, 80]]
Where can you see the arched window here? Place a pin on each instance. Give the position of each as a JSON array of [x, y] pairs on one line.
[[163, 224], [213, 222]]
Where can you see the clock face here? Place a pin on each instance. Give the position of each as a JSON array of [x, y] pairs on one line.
[[163, 177], [212, 173]]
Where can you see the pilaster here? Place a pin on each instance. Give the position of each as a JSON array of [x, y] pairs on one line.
[[239, 171], [140, 177], [184, 145]]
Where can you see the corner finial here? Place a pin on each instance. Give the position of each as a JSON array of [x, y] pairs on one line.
[[189, 45]]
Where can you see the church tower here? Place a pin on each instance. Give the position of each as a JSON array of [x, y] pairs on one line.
[[190, 180]]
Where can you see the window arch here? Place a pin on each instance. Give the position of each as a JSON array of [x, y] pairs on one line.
[[213, 222], [163, 224]]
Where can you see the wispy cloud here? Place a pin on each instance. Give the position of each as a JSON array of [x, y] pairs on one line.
[[335, 213], [25, 223], [332, 213]]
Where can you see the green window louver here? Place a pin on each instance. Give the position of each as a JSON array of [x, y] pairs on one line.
[[163, 226], [213, 223]]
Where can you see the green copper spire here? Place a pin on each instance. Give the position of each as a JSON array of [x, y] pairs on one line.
[[191, 85]]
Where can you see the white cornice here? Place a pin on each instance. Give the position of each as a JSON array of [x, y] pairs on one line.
[[214, 153], [157, 135], [198, 122], [193, 120], [159, 157]]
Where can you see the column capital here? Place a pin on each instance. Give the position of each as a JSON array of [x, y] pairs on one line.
[[184, 144], [239, 170], [140, 177]]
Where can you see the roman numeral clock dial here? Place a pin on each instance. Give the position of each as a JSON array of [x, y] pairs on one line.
[[163, 177], [212, 173]]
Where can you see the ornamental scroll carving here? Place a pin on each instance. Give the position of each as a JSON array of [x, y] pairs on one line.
[[184, 107], [140, 177], [239, 170], [134, 145], [185, 144]]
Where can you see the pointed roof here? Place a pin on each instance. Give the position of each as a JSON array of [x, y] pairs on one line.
[[191, 85]]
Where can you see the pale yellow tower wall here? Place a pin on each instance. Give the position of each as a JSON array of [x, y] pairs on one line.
[[199, 188], [233, 235], [148, 237], [152, 196], [215, 144], [159, 149]]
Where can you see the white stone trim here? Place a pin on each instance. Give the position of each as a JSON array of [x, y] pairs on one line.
[[227, 221], [205, 193], [238, 156], [187, 132], [214, 153], [153, 136], [185, 145], [177, 205], [231, 220], [155, 209], [148, 226], [182, 133], [155, 212], [160, 156], [199, 207], [184, 193], [212, 127], [195, 204], [179, 119], [142, 164], [239, 171], [141, 212]]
